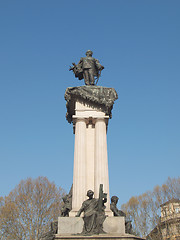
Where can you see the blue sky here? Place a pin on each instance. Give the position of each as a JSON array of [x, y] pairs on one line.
[[137, 41]]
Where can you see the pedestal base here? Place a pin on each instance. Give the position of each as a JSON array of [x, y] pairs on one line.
[[74, 225], [99, 237]]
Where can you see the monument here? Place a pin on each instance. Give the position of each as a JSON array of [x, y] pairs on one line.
[[89, 108]]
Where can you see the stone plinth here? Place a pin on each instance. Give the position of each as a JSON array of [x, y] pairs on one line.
[[74, 225], [89, 108], [100, 237], [114, 225], [69, 225]]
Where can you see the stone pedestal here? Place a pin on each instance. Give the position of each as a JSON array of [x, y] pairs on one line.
[[99, 237], [74, 225], [90, 153], [69, 227]]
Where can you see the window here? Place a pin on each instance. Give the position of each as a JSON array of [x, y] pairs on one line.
[[176, 210]]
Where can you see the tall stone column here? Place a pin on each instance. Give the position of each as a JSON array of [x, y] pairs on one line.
[[89, 108], [101, 160], [90, 131], [79, 175]]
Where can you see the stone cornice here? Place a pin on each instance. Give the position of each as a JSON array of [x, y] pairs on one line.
[[103, 97]]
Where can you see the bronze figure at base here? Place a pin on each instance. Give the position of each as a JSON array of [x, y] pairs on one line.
[[94, 214], [117, 212]]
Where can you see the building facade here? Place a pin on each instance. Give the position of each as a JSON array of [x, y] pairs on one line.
[[169, 224]]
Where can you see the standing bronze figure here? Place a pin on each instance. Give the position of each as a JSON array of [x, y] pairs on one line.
[[88, 69]]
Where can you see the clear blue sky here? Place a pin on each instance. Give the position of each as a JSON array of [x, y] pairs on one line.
[[137, 41]]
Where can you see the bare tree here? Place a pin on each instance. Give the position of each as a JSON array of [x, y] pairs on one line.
[[144, 210], [28, 210]]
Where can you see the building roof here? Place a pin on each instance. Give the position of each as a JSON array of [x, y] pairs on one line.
[[173, 200]]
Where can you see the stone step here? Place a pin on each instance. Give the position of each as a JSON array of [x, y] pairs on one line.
[[99, 237]]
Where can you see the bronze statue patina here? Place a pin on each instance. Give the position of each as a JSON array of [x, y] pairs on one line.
[[88, 69], [117, 212], [94, 214], [65, 209], [51, 234], [67, 204]]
